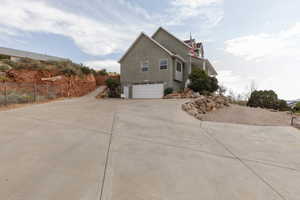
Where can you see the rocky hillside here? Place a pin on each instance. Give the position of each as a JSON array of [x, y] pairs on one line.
[[72, 79]]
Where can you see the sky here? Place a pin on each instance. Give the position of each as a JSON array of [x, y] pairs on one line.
[[247, 41]]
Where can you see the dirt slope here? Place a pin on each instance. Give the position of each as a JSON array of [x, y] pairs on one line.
[[247, 115]]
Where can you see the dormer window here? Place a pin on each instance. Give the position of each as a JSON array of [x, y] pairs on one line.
[[163, 64], [145, 66]]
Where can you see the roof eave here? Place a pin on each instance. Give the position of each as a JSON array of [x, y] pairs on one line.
[[131, 46], [180, 58], [151, 39], [161, 28]]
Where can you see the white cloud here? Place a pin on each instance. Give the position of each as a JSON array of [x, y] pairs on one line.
[[265, 46], [109, 65], [7, 31], [234, 82], [276, 57], [209, 12], [195, 3], [99, 28], [93, 37]]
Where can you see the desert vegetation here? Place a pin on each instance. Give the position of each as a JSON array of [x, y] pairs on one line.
[[67, 68], [114, 87], [267, 99], [296, 109], [201, 82]]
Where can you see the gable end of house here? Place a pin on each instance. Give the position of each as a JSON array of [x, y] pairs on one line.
[[149, 38], [161, 29]]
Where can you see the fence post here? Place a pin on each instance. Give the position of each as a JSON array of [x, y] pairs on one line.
[[34, 92], [47, 86], [292, 122], [5, 94], [69, 86]]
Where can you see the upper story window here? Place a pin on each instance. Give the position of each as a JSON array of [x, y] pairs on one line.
[[179, 67], [163, 64], [145, 66]]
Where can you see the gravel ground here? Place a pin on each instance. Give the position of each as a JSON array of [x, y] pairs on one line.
[[246, 115]]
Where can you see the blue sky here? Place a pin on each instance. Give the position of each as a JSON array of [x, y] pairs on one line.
[[246, 40]]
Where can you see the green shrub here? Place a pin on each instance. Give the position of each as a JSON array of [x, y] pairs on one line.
[[86, 70], [10, 63], [4, 68], [267, 99], [25, 63], [297, 107], [282, 105], [102, 72], [168, 91], [201, 82], [4, 57], [113, 85], [69, 71], [64, 67], [263, 99], [3, 78]]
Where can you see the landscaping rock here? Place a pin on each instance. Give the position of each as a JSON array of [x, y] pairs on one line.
[[203, 104], [186, 94]]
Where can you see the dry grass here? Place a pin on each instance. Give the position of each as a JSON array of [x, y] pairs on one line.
[[251, 116], [16, 106]]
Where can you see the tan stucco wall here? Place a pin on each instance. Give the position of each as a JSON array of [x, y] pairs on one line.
[[143, 50], [176, 47]]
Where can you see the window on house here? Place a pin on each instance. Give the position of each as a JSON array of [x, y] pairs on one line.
[[145, 66], [179, 67], [163, 64]]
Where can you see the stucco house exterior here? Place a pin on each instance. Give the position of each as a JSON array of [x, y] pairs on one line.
[[152, 64]]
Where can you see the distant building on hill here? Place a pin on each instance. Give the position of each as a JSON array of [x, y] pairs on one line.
[[15, 55]]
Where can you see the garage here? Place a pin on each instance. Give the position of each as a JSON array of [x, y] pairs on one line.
[[148, 91]]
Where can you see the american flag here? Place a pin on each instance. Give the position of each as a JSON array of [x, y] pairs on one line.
[[193, 48]]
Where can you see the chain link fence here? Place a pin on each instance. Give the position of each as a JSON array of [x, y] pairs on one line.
[[21, 93]]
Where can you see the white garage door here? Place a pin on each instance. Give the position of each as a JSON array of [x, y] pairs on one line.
[[148, 91]]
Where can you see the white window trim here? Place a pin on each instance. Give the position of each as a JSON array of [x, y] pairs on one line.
[[167, 63], [181, 66], [142, 65]]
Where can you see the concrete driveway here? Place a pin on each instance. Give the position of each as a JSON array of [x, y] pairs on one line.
[[90, 149]]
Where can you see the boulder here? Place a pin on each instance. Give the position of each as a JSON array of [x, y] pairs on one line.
[[203, 104]]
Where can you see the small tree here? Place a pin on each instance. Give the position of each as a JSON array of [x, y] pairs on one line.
[[283, 106], [102, 72], [263, 99], [113, 84], [267, 99], [3, 57], [297, 107], [201, 82]]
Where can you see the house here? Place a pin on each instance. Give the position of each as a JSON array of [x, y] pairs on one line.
[[152, 64], [15, 55]]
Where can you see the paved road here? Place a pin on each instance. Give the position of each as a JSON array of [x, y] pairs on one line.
[[141, 150]]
